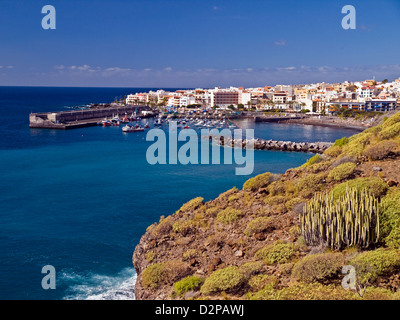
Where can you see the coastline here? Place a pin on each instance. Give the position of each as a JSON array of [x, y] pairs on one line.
[[256, 234], [332, 122]]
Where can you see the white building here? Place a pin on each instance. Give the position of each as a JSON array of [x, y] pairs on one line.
[[187, 100], [131, 99], [244, 98]]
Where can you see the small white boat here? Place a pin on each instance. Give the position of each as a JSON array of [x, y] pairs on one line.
[[116, 118], [136, 128], [106, 123]]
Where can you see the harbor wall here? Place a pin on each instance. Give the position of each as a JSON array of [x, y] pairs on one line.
[[80, 118], [262, 144]]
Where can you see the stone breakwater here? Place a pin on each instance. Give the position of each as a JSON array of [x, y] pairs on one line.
[[261, 144]]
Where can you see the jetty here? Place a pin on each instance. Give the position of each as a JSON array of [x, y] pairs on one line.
[[262, 144], [84, 118]]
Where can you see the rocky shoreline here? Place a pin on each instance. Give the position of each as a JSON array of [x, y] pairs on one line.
[[262, 144], [332, 122], [252, 243]]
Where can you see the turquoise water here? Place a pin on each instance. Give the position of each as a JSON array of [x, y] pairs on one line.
[[80, 200]]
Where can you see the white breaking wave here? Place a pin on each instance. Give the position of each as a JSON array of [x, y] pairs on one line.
[[101, 287]]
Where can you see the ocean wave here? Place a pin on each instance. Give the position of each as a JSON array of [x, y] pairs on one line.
[[100, 287]]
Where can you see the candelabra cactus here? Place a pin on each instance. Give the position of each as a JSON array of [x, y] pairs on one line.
[[351, 220]]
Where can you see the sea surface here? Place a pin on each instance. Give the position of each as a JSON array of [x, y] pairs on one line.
[[80, 200]]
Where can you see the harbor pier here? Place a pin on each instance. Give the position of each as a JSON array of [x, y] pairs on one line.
[[83, 118]]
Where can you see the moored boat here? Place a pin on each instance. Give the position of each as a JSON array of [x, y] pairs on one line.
[[106, 123], [136, 128]]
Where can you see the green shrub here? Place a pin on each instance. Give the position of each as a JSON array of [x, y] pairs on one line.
[[333, 151], [229, 215], [233, 197], [150, 255], [374, 130], [381, 150], [357, 144], [260, 281], [390, 219], [372, 293], [316, 159], [212, 211], [371, 264], [274, 200], [312, 182], [251, 268], [291, 204], [262, 180], [164, 273], [192, 204], [375, 186], [342, 171], [392, 120], [280, 187], [163, 227], [393, 239], [257, 225], [320, 166], [228, 193], [276, 253], [302, 291], [183, 227], [390, 132], [318, 267], [228, 279], [190, 283], [341, 142]]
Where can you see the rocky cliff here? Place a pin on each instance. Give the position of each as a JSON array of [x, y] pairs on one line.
[[272, 238]]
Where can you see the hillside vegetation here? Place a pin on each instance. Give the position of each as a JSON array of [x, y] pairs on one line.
[[287, 236]]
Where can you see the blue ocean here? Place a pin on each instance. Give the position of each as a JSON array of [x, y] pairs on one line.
[[80, 200]]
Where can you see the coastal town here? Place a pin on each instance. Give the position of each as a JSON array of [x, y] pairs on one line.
[[355, 105], [319, 98]]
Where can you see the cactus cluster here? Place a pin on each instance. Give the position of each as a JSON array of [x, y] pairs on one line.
[[351, 220]]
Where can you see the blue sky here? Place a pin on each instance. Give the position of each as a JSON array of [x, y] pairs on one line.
[[191, 43]]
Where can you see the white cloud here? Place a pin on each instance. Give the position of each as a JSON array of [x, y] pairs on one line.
[[286, 69], [6, 67], [85, 67], [210, 77], [280, 43], [117, 69]]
